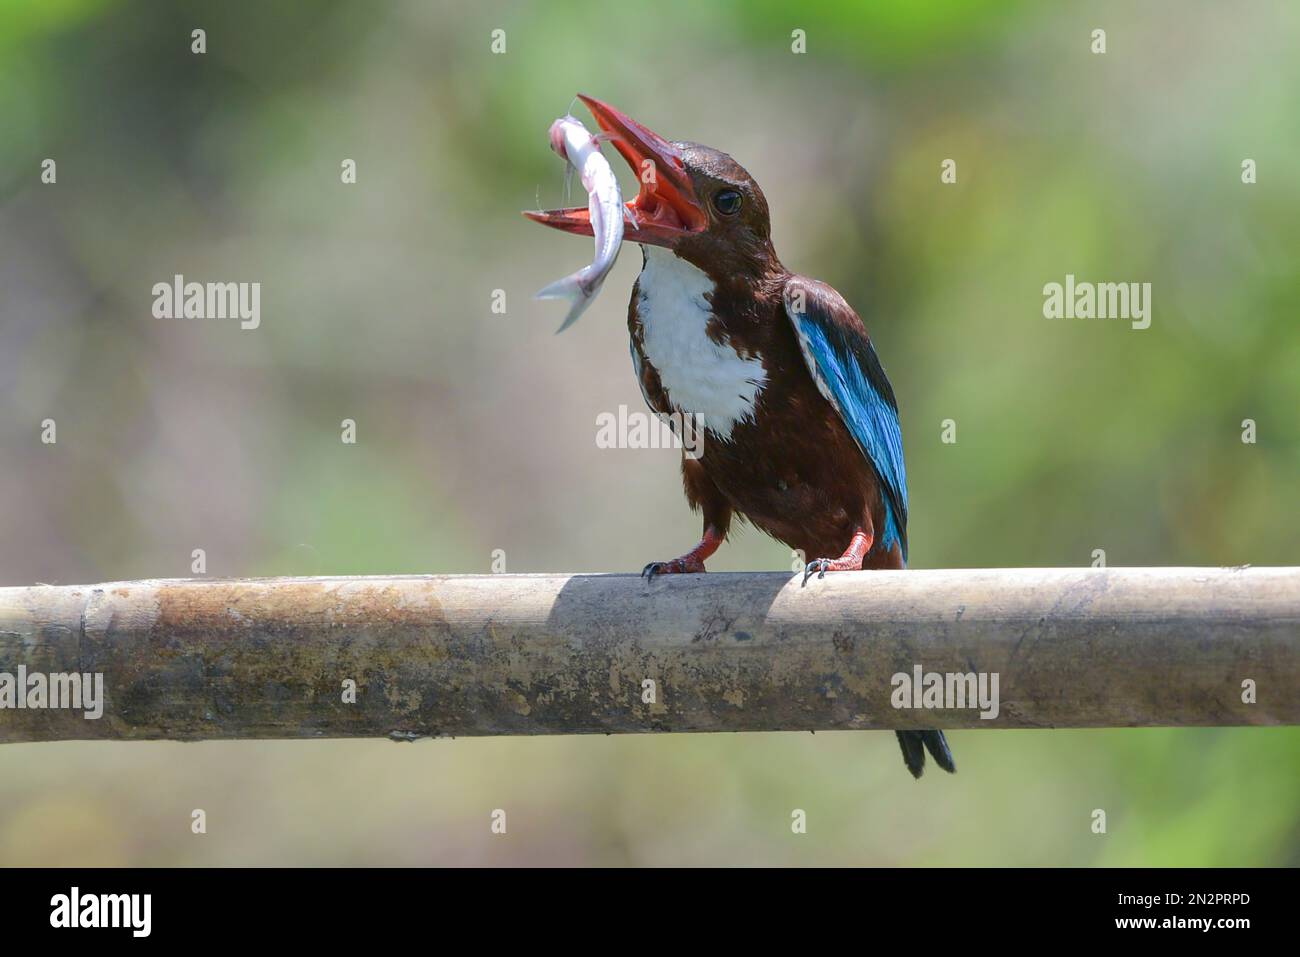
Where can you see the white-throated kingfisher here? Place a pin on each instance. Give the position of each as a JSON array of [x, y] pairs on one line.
[[801, 431]]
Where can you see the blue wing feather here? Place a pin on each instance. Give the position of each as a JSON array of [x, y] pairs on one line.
[[843, 363]]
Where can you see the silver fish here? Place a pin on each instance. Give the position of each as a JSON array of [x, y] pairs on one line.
[[576, 145]]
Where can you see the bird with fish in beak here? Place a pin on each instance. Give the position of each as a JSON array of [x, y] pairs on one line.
[[800, 421]]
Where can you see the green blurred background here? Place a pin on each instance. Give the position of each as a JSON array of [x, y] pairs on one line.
[[476, 431]]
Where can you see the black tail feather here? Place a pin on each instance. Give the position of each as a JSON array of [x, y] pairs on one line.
[[913, 751], [914, 744]]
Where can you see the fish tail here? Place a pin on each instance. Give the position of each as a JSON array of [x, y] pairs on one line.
[[577, 289], [914, 744]]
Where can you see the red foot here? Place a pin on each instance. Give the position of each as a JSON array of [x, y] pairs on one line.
[[690, 563], [850, 561], [678, 566]]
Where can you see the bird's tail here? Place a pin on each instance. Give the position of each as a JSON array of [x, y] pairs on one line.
[[914, 744]]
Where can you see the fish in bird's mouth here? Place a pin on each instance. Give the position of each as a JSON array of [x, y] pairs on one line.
[[666, 206], [605, 213]]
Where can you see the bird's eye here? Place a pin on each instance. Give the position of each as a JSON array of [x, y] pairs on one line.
[[727, 202]]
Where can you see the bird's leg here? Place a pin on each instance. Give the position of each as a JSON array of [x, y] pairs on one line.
[[704, 495], [692, 561], [850, 561]]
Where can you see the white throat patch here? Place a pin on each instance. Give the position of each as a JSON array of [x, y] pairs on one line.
[[700, 376]]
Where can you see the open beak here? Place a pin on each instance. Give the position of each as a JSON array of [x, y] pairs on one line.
[[665, 207]]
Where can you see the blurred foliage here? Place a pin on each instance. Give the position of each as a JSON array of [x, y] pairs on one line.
[[476, 430]]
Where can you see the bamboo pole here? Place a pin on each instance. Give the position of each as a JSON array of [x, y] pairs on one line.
[[558, 654]]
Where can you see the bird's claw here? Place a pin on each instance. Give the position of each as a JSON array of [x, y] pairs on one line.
[[818, 565], [678, 566]]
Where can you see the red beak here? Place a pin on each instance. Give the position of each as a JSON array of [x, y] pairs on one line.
[[665, 208]]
